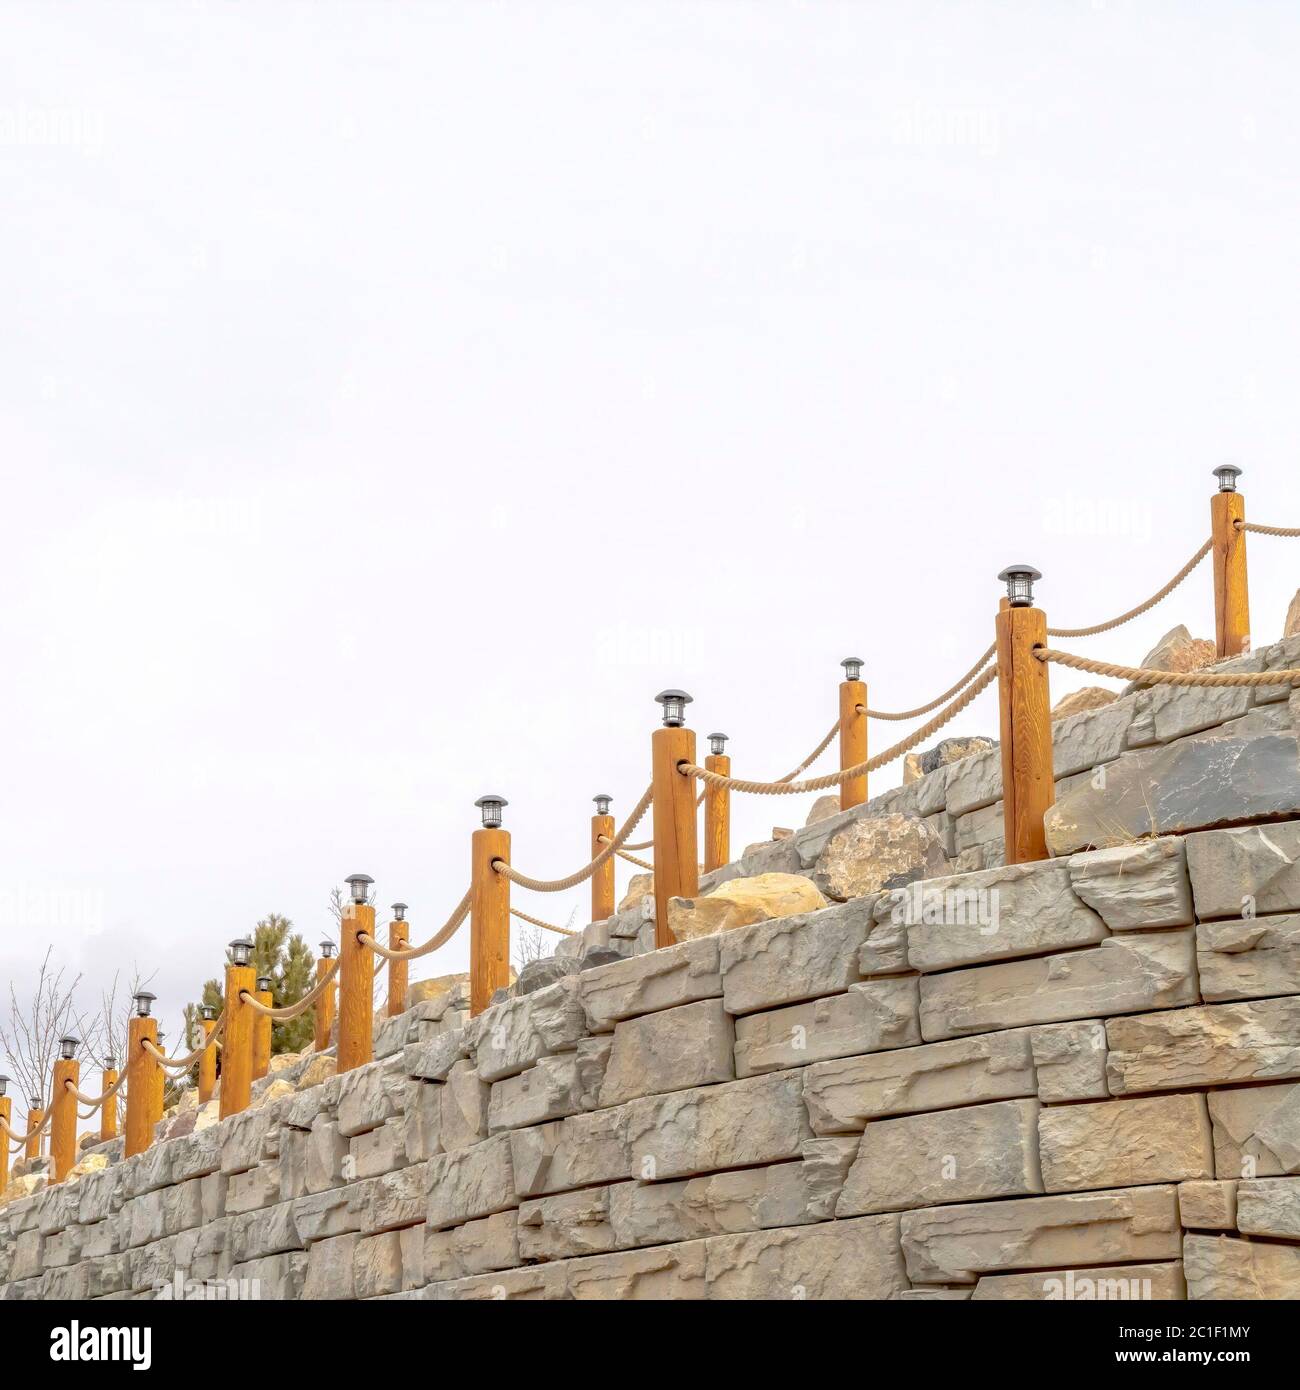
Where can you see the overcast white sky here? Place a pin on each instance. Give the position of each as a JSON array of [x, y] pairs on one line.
[[396, 396]]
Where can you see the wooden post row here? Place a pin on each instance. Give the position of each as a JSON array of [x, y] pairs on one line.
[[602, 879], [1231, 598], [717, 807], [489, 919], [63, 1123], [1028, 789], [399, 938], [677, 868], [853, 731]]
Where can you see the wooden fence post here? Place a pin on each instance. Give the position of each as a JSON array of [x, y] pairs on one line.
[[399, 938], [237, 1042], [108, 1111], [1231, 599], [140, 1069], [1028, 789], [262, 1029], [63, 1124], [356, 978], [489, 911], [677, 867], [35, 1114], [717, 807], [324, 1007], [853, 731], [208, 1057], [602, 879], [7, 1115]]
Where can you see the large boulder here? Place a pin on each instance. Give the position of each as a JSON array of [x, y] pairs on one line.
[[1090, 697], [877, 852], [1178, 650], [741, 902], [1292, 627]]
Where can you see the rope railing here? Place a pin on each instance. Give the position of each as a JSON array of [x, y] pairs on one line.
[[1142, 607], [558, 885], [1017, 660], [834, 779], [1146, 676], [299, 1006], [545, 926], [437, 940], [94, 1102]]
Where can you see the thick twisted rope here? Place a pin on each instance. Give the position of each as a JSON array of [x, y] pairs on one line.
[[1267, 530], [299, 1006], [180, 1063], [558, 885], [1142, 607], [1149, 677], [952, 690], [18, 1140], [833, 779], [545, 926], [96, 1101], [440, 938], [631, 858]]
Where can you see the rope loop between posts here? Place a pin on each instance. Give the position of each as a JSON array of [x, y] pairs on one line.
[[558, 885], [631, 858], [299, 1006], [952, 690], [440, 938], [1144, 676], [18, 1140], [546, 926], [1142, 607], [1267, 530], [182, 1063], [96, 1101], [833, 779]]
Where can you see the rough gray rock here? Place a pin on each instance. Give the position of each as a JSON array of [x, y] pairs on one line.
[[1121, 1143], [1191, 785], [1250, 959], [843, 1095], [1135, 887], [1250, 871], [673, 1050], [967, 1154]]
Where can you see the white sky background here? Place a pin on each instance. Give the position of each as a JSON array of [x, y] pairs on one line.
[[396, 396]]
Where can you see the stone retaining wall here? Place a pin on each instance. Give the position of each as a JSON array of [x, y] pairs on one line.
[[1077, 1078]]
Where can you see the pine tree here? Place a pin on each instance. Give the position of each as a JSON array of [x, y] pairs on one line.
[[280, 953]]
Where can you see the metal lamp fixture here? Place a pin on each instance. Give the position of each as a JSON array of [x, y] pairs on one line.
[[241, 951], [34, 1103], [327, 949], [717, 743], [264, 984], [4, 1084], [852, 668], [399, 912], [491, 806], [1019, 580], [359, 884], [602, 803], [674, 703], [1227, 474], [110, 1062], [143, 1002], [208, 1011], [68, 1047]]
